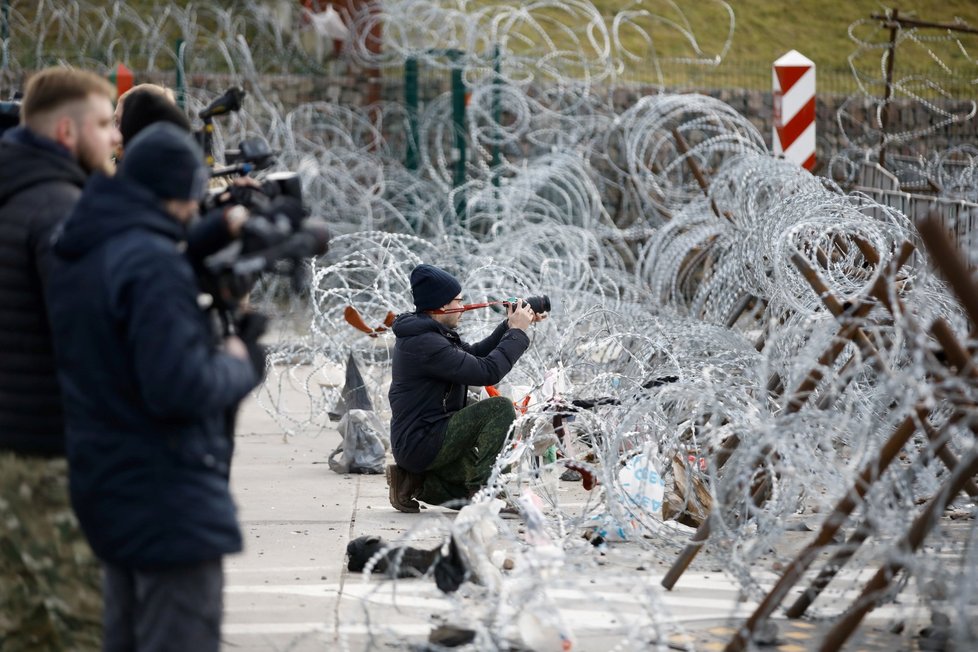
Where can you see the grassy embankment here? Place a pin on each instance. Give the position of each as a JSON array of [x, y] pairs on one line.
[[819, 29], [763, 30]]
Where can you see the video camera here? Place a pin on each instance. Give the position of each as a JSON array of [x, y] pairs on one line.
[[252, 155], [279, 234], [279, 239]]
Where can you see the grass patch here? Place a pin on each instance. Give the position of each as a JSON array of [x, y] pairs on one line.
[[678, 43]]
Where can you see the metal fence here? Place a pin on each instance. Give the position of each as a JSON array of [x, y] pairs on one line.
[[959, 217], [730, 74]]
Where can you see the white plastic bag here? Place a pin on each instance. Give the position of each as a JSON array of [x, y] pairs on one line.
[[365, 443]]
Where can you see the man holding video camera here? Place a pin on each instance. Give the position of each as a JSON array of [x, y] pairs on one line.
[[247, 227], [445, 450], [147, 389]]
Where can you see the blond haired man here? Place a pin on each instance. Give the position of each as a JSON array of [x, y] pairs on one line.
[[49, 594]]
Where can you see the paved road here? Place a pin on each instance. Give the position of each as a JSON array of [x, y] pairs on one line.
[[290, 589]]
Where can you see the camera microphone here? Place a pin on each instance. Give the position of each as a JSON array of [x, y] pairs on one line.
[[230, 101]]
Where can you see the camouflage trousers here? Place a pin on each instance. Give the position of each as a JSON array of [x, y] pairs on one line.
[[50, 582], [474, 438]]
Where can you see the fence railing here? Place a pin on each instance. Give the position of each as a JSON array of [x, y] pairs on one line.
[[730, 74], [958, 217]]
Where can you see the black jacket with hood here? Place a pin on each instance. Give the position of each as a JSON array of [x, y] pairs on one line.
[[40, 183], [145, 387], [431, 369]]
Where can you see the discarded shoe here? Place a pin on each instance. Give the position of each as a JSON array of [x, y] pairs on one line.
[[449, 570], [570, 475], [451, 636], [400, 561], [509, 510], [404, 486]]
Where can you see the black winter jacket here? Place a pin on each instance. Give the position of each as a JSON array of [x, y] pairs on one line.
[[431, 370], [145, 388], [39, 185]]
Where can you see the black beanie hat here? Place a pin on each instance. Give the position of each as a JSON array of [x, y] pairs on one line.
[[433, 287], [144, 107], [166, 160]]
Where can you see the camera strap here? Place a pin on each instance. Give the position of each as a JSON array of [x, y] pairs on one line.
[[471, 306]]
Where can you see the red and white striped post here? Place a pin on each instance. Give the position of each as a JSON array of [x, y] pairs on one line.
[[794, 109]]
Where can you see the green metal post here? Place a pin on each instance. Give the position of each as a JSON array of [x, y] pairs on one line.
[[5, 31], [458, 121], [411, 104], [181, 81]]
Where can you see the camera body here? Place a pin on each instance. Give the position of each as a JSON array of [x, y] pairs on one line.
[[539, 305], [278, 236], [252, 155]]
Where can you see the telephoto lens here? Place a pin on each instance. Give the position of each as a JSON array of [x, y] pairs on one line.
[[539, 304]]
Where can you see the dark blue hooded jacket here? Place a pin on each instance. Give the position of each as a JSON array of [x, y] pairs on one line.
[[431, 369], [40, 183], [145, 389]]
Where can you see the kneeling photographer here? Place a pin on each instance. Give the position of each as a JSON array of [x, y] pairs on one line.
[[146, 394], [444, 449]]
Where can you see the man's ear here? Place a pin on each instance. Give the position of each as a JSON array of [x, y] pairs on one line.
[[66, 133]]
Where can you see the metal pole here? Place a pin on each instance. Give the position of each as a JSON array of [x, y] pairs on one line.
[[910, 22], [497, 114], [5, 32], [843, 509], [796, 401], [181, 82], [458, 122], [695, 169], [411, 105], [888, 93]]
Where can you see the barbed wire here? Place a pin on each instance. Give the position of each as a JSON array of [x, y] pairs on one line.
[[908, 65], [683, 319]]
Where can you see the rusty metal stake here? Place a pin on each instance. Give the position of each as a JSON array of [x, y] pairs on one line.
[[921, 527], [839, 559], [950, 262], [695, 169], [796, 402], [758, 496], [832, 524], [869, 473]]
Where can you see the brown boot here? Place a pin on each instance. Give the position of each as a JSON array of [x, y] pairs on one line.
[[404, 486]]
